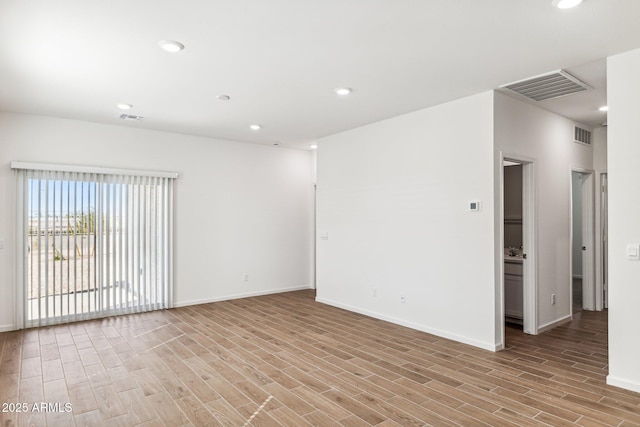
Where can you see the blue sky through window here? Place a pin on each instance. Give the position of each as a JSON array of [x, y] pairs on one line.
[[60, 198]]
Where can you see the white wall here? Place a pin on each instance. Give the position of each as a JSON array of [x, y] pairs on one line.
[[393, 197], [623, 91], [547, 139], [240, 208]]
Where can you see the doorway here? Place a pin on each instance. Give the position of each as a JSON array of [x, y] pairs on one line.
[[583, 296], [514, 254], [519, 286]]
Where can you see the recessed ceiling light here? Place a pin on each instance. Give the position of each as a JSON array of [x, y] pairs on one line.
[[604, 108], [125, 106], [223, 97], [276, 143], [343, 91], [313, 146], [566, 4], [171, 46], [255, 127]]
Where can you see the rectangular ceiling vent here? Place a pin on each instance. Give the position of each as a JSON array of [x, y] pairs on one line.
[[581, 135], [548, 86], [131, 117]]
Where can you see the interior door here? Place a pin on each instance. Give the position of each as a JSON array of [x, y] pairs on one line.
[[583, 247], [588, 243]]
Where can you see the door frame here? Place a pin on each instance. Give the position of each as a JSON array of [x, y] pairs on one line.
[[529, 243], [602, 283], [588, 239]]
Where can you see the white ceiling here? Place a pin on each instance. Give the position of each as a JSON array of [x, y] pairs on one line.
[[279, 60]]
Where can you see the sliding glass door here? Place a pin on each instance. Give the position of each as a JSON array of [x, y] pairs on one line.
[[95, 244]]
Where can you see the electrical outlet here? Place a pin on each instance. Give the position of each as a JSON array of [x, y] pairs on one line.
[[375, 292], [403, 299], [245, 277], [553, 299]]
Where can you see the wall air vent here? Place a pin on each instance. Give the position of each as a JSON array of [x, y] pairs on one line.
[[548, 86], [131, 117], [581, 136]]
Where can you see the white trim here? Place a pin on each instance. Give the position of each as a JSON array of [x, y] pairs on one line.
[[499, 260], [554, 324], [416, 326], [314, 238], [530, 243], [602, 267], [90, 169], [7, 328], [239, 296], [622, 383]]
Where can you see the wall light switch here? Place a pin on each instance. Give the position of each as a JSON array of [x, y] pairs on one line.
[[633, 251], [324, 235], [1, 243]]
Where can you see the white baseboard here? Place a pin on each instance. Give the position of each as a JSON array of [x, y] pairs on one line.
[[241, 295], [7, 328], [555, 323], [622, 383], [416, 326]]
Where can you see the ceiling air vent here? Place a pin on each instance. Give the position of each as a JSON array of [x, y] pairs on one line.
[[581, 136], [131, 117], [548, 86]]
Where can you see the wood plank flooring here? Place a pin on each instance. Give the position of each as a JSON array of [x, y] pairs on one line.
[[287, 360]]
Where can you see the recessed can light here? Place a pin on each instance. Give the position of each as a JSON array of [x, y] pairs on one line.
[[171, 46], [604, 108], [343, 91], [566, 4], [255, 127], [223, 97], [125, 106], [313, 146]]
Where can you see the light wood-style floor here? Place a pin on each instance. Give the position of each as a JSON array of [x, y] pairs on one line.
[[287, 360]]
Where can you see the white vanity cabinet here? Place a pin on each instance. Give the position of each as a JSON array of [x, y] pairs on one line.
[[513, 291]]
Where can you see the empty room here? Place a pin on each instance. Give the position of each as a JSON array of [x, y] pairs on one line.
[[294, 213]]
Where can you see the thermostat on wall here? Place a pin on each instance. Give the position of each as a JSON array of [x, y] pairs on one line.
[[474, 205]]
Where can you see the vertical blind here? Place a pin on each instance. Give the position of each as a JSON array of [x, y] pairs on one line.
[[93, 242]]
